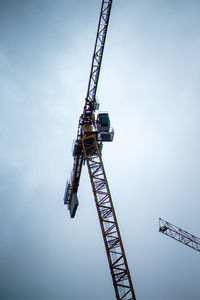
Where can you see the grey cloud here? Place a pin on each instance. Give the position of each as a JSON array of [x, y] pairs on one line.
[[149, 84]]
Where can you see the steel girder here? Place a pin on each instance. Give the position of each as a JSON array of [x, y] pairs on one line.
[[178, 234], [108, 221], [90, 101], [98, 50]]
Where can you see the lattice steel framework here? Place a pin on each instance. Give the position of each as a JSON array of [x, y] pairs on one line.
[[109, 226], [98, 49], [90, 101], [88, 148], [178, 234]]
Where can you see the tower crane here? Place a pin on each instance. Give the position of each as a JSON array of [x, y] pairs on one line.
[[178, 234], [92, 132]]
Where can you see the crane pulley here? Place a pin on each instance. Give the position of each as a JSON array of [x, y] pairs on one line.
[[92, 132]]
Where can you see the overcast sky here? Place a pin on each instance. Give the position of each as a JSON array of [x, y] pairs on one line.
[[149, 83]]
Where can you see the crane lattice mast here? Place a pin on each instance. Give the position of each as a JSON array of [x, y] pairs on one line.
[[179, 234], [92, 132]]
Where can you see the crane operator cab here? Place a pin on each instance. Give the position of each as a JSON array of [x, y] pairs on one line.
[[105, 134], [103, 122]]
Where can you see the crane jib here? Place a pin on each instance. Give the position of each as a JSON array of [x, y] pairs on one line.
[[179, 234], [90, 102], [98, 51]]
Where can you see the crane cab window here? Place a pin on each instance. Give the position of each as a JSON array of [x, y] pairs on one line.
[[103, 122]]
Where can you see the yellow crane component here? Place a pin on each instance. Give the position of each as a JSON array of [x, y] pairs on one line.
[[92, 132]]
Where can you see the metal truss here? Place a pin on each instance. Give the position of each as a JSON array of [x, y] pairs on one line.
[[108, 221], [90, 101], [178, 234], [88, 148], [98, 49]]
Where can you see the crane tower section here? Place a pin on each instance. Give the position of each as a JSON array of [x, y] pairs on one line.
[[108, 221], [179, 234]]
